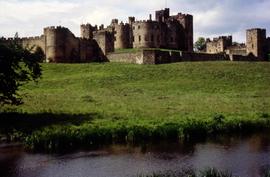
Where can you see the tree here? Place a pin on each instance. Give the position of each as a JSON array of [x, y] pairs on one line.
[[200, 44], [17, 67]]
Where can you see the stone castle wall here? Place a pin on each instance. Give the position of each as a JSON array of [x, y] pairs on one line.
[[128, 57], [34, 42], [218, 45], [156, 56]]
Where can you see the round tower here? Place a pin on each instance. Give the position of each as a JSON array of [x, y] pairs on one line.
[[147, 34], [87, 31], [55, 43]]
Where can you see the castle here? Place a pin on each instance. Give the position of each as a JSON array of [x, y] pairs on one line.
[[59, 44], [172, 32], [257, 45], [175, 32]]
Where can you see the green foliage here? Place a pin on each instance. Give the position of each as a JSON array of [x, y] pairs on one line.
[[100, 132], [200, 44], [17, 66], [39, 54]]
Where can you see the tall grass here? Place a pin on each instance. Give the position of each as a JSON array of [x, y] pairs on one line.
[[100, 132]]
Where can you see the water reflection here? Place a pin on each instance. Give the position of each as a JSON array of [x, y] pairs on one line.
[[246, 157]]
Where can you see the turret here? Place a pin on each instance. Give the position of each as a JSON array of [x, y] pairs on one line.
[[55, 38], [162, 15], [87, 31]]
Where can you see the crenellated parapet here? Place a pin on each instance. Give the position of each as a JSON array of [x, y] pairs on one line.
[[87, 31]]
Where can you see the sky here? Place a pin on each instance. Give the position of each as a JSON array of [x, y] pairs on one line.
[[211, 17]]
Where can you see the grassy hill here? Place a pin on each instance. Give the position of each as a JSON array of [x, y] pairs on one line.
[[129, 94]]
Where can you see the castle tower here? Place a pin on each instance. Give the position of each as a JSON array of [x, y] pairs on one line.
[[147, 34], [186, 21], [87, 31], [55, 39], [162, 15], [256, 42], [122, 36], [105, 40]]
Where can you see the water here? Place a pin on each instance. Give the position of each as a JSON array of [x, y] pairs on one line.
[[245, 157]]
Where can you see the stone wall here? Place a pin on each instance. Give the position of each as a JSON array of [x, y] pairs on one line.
[[131, 57], [34, 42], [149, 56], [191, 56], [237, 50], [60, 45], [243, 58]]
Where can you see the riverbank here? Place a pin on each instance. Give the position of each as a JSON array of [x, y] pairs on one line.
[[87, 104], [242, 156]]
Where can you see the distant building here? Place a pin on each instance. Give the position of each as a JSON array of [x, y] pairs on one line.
[[256, 45]]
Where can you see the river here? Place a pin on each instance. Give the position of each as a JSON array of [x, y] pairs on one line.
[[243, 156]]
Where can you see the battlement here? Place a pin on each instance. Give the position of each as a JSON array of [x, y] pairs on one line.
[[7, 39], [86, 25], [256, 29], [145, 22], [216, 39], [33, 38], [56, 28]]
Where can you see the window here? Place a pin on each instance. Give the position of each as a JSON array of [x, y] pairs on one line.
[[139, 38], [132, 38], [139, 27], [171, 39]]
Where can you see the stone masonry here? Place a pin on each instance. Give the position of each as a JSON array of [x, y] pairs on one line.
[[257, 45]]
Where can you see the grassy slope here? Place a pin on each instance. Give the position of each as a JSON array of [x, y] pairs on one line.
[[152, 94], [161, 91]]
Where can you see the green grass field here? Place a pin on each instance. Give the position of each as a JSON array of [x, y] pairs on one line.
[[114, 94]]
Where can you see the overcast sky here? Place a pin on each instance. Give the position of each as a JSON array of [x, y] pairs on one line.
[[211, 17]]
